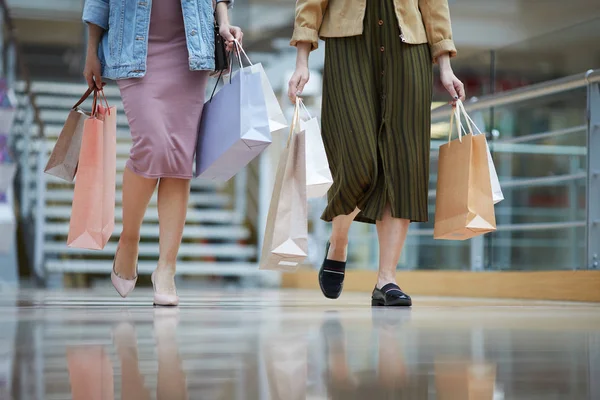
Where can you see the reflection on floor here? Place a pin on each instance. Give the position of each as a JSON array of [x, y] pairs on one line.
[[287, 345]]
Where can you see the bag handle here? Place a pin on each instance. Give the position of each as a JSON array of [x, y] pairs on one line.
[[470, 122], [304, 108], [88, 92], [230, 70], [239, 46], [295, 120], [455, 117], [99, 93]]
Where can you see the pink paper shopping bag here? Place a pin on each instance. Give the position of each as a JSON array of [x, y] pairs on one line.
[[93, 211]]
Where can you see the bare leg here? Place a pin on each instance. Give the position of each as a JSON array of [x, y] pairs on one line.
[[392, 235], [173, 196], [137, 192], [339, 236]]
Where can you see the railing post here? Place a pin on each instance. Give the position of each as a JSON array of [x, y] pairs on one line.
[[11, 64], [593, 182], [40, 215], [241, 194], [25, 162]]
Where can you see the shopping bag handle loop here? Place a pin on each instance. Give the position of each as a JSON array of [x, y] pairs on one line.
[[470, 122], [455, 117], [239, 58], [241, 49], [99, 93], [87, 94], [304, 108]]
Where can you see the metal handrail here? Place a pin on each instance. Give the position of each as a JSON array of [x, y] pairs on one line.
[[522, 94], [12, 37]]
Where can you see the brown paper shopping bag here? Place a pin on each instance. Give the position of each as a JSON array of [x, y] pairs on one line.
[[464, 206], [65, 155], [93, 210], [285, 244]]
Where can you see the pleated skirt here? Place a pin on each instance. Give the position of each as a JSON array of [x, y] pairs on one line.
[[376, 120]]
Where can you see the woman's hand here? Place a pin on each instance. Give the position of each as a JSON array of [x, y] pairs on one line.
[[453, 85], [93, 71], [302, 74], [297, 82], [231, 33]]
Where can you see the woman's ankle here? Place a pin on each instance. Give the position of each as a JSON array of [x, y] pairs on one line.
[[338, 249]]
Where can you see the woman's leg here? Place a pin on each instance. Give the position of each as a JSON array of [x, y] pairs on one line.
[[137, 192], [339, 236], [392, 235], [173, 196]]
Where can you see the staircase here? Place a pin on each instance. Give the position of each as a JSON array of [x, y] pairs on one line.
[[216, 239]]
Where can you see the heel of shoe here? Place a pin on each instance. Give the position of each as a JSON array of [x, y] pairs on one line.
[[377, 303]]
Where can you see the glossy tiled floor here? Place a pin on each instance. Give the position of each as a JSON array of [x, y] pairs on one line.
[[293, 345]]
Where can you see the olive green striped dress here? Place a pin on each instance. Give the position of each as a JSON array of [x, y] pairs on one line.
[[376, 120]]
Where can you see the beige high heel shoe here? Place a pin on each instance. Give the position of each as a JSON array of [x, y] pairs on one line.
[[122, 285], [164, 299]]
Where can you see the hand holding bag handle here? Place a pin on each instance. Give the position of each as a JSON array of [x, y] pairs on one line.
[[87, 94]]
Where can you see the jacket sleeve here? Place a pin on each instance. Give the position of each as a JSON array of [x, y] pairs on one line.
[[436, 17], [229, 2], [96, 12], [309, 16]]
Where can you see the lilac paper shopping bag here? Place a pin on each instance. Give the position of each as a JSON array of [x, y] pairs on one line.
[[234, 128]]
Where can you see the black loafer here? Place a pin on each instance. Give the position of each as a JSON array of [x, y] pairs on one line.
[[331, 277], [390, 296]]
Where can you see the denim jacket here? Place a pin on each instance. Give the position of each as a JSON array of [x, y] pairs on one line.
[[124, 45]]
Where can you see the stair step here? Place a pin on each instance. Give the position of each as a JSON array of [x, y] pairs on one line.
[[193, 216], [147, 267], [59, 116], [65, 89], [229, 233], [227, 250], [196, 199], [51, 131], [52, 101]]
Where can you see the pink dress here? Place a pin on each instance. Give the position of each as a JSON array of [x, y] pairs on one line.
[[164, 107]]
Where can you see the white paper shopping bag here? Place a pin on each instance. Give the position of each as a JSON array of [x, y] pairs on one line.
[[277, 119], [318, 174], [497, 194]]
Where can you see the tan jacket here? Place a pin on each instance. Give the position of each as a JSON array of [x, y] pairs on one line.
[[420, 21]]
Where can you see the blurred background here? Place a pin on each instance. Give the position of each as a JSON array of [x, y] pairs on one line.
[[523, 63], [532, 74]]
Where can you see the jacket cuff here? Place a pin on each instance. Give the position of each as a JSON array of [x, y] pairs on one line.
[[96, 12], [442, 47], [304, 34], [229, 2]]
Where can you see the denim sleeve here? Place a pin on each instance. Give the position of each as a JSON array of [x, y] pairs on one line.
[[230, 2], [96, 12]]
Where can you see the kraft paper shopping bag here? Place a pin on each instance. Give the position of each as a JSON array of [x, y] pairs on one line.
[[497, 194], [93, 210], [65, 155], [318, 174], [234, 128], [464, 206], [285, 243]]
